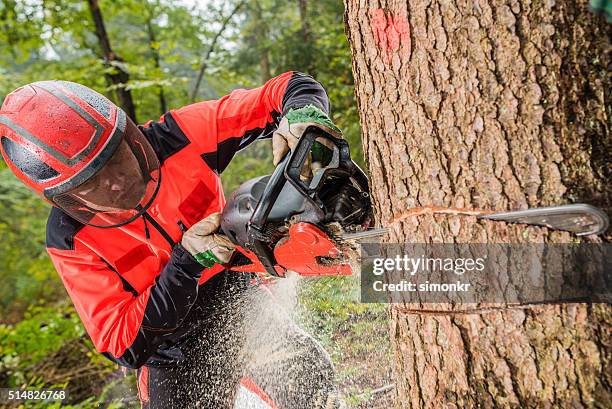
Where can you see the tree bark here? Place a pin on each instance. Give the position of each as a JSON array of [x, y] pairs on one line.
[[120, 77], [487, 105]]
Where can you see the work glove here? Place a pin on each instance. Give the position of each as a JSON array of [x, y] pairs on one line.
[[291, 128], [205, 245]]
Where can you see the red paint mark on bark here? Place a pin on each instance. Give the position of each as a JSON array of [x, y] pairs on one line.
[[391, 33]]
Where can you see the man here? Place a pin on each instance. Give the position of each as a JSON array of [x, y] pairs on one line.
[[132, 232]]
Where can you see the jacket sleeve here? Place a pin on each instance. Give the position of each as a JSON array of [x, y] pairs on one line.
[[227, 125], [124, 326]]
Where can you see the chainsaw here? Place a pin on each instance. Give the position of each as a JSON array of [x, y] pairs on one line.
[[283, 222]]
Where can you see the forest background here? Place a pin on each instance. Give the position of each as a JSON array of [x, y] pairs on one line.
[[157, 55]]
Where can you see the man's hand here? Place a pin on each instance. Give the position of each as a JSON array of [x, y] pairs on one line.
[[293, 125], [205, 245]]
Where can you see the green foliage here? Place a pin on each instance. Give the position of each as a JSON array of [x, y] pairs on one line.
[[248, 164], [329, 300], [45, 333], [355, 334], [40, 333], [25, 270]]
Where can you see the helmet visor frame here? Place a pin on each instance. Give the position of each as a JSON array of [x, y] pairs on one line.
[[121, 188]]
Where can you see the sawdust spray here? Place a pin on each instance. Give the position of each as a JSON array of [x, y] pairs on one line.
[[280, 356], [258, 339]]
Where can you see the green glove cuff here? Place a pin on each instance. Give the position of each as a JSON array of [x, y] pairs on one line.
[[207, 259], [310, 113]]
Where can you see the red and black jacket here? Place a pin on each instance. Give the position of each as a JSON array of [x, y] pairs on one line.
[[134, 285]]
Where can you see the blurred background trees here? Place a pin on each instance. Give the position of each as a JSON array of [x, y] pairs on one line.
[[148, 56]]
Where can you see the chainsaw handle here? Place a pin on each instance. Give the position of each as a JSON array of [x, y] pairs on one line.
[[293, 169], [257, 236], [268, 197]]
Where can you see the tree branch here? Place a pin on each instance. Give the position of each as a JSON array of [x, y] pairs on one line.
[[204, 63], [121, 77]]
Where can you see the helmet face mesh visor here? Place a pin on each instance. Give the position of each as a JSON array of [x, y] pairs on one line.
[[121, 190]]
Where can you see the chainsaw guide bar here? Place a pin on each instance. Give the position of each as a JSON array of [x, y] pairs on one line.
[[580, 219]]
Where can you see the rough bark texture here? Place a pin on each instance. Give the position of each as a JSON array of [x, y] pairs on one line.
[[487, 105]]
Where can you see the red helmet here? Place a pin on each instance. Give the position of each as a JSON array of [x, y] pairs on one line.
[[79, 151]]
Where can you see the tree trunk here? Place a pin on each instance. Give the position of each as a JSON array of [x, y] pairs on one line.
[[261, 40], [264, 66], [307, 40], [156, 60], [120, 77], [487, 105]]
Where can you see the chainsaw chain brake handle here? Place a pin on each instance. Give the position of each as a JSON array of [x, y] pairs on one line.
[[289, 169]]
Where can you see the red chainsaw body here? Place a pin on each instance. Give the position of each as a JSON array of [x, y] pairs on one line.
[[307, 250]]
